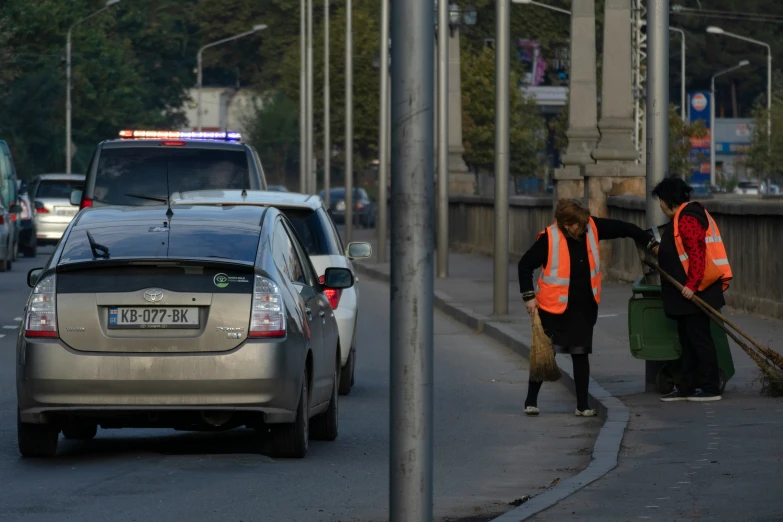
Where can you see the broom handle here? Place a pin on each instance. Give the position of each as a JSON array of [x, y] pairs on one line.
[[698, 301], [716, 317]]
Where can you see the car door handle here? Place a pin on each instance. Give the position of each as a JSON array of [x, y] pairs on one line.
[[322, 313], [309, 313]]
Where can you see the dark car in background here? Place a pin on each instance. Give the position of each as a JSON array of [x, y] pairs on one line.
[[146, 167], [365, 211]]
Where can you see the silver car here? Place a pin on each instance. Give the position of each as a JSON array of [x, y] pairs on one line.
[[196, 318], [51, 194]]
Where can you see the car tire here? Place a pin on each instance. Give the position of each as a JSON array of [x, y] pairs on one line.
[[292, 440], [83, 432], [346, 374], [36, 440], [324, 426]]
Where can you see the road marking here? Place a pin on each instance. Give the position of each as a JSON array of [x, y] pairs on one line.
[[10, 327], [685, 482], [663, 498], [2, 335], [702, 460], [652, 507], [17, 318]]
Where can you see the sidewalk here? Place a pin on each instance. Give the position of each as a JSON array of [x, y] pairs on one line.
[[662, 441]]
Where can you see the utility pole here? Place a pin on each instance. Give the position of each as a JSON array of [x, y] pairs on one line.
[[502, 81], [302, 97], [443, 139], [348, 121], [310, 149], [657, 111], [412, 274], [327, 100], [382, 226]]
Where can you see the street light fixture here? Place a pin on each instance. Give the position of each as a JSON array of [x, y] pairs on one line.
[[743, 63], [255, 29], [68, 108], [717, 30]]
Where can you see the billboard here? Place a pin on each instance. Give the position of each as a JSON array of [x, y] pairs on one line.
[[699, 107]]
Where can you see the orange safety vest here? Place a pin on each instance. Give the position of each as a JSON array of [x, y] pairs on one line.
[[717, 263], [552, 287]]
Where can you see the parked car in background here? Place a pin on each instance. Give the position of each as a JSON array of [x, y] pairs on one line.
[[701, 190], [204, 318], [28, 222], [51, 195], [322, 244], [365, 211], [145, 167], [748, 188], [9, 194]]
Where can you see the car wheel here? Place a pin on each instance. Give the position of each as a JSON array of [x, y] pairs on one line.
[[346, 374], [36, 440], [292, 440], [82, 432], [325, 424]]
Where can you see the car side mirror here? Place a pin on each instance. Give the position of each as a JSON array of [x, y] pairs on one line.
[[76, 197], [359, 250], [338, 278], [15, 209], [33, 276]]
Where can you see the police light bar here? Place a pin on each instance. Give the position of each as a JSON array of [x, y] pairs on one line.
[[179, 135]]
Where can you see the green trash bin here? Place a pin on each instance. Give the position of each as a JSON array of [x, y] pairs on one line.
[[653, 337]]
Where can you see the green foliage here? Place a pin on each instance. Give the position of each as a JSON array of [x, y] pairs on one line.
[[680, 134], [527, 129], [273, 129], [766, 155]]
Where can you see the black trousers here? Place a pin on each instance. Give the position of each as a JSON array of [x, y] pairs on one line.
[[581, 381], [699, 360]]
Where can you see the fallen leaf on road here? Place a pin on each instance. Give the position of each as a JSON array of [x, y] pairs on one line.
[[554, 482]]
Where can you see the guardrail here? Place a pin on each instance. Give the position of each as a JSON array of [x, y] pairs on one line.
[[752, 232]]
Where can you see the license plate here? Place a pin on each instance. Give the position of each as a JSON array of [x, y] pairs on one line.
[[151, 318], [65, 211]]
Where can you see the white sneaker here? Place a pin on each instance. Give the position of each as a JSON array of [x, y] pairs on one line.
[[586, 413], [531, 410]]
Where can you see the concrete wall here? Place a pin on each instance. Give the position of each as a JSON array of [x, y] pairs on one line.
[[752, 232]]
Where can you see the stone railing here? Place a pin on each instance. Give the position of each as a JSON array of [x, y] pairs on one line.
[[752, 232]]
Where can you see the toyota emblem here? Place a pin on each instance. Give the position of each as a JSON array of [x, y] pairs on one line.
[[154, 295]]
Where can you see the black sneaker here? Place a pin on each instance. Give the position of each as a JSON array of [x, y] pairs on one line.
[[674, 396], [702, 396]]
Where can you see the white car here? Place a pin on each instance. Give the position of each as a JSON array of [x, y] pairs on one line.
[[323, 244]]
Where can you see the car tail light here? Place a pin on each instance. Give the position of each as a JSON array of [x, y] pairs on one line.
[[267, 318], [42, 210], [359, 205], [86, 203], [332, 294], [41, 320]]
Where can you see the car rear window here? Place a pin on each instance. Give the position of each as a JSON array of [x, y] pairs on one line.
[[180, 241], [316, 232], [139, 171], [57, 188]]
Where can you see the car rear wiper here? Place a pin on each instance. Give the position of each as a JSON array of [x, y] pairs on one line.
[[96, 247], [149, 198]]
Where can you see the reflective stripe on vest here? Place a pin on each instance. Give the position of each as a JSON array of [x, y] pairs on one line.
[[553, 278]]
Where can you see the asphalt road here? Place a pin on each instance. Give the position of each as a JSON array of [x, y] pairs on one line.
[[486, 453]]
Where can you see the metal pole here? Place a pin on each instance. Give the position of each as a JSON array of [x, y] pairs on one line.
[[412, 284], [348, 121], [769, 115], [327, 123], [309, 104], [713, 174], [381, 226], [199, 81], [657, 110], [502, 75], [68, 110], [443, 139], [302, 97], [682, 76]]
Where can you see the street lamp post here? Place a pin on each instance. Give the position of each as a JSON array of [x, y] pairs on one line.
[[348, 121], [327, 129], [713, 174], [302, 96], [68, 107], [682, 70], [717, 30], [442, 28], [502, 91], [199, 73], [381, 226]]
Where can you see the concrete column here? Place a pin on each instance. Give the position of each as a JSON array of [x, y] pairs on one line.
[[460, 180], [582, 130], [616, 125]]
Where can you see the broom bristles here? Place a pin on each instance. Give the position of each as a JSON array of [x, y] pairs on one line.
[[543, 366]]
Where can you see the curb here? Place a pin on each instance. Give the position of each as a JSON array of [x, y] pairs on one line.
[[615, 414]]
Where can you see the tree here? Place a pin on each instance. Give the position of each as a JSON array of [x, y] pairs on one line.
[[766, 156], [527, 128], [273, 129], [680, 134]]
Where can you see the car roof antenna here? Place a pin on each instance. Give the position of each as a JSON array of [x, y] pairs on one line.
[[169, 212]]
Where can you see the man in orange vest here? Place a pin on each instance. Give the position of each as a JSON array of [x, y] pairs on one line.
[[569, 288], [692, 252]]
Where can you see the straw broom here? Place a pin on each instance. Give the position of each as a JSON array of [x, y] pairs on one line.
[[769, 361], [543, 366]]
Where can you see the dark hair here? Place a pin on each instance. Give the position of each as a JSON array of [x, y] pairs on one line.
[[571, 212], [673, 191]]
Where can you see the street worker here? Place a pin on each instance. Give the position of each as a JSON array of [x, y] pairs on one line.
[[569, 289], [692, 252]]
